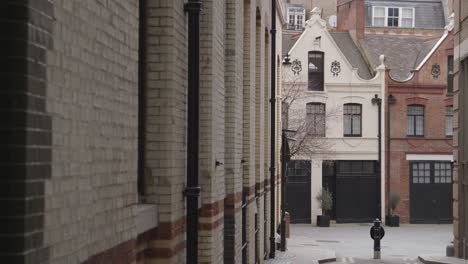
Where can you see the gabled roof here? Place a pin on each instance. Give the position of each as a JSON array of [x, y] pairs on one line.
[[288, 40], [402, 53], [352, 53]]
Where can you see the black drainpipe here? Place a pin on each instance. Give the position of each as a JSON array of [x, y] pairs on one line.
[[378, 101], [192, 192], [390, 100], [272, 128], [141, 99]]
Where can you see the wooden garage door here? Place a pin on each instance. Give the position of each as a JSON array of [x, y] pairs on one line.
[[430, 192], [357, 191], [298, 198]]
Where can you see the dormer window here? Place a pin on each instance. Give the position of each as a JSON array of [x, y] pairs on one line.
[[383, 16], [296, 17]]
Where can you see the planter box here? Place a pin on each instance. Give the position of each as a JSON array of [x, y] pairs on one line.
[[392, 220], [323, 220]]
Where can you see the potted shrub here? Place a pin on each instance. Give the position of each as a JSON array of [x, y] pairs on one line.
[[325, 200], [393, 201]]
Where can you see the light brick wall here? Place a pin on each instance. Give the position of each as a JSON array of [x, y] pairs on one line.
[[249, 119], [260, 128], [92, 98], [460, 190], [212, 107], [233, 131], [167, 63]]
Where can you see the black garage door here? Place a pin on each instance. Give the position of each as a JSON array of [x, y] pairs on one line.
[[298, 199], [357, 191], [430, 192]]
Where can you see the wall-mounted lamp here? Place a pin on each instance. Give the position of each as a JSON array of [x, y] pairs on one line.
[[391, 99], [376, 100], [287, 60]]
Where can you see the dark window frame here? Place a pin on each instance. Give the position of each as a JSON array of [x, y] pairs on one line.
[[316, 78], [352, 120], [408, 115], [433, 178], [317, 116]]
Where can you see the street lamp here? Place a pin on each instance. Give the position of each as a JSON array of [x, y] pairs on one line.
[[285, 157]]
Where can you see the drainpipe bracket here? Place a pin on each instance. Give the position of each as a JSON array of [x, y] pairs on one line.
[[192, 6], [192, 191]]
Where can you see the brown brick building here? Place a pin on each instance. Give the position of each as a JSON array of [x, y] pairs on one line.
[[94, 111]]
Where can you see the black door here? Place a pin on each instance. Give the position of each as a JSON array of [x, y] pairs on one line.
[[357, 191], [430, 192], [298, 199], [329, 183]]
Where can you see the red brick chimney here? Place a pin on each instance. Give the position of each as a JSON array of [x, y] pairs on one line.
[[351, 17]]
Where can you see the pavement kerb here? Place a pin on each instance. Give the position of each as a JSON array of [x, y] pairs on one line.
[[320, 261], [440, 260]]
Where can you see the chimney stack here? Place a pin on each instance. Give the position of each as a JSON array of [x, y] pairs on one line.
[[351, 18]]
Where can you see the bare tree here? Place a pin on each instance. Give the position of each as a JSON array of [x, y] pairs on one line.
[[307, 117]]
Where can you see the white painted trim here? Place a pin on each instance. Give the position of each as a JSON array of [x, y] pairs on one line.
[[385, 15], [436, 46], [447, 157]]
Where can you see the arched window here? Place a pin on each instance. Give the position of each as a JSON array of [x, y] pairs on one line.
[[352, 120], [316, 119], [315, 69], [415, 121]]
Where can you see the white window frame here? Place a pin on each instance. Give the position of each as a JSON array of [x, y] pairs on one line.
[[292, 11], [400, 13]]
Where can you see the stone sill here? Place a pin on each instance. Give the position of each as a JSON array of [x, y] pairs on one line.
[[146, 217]]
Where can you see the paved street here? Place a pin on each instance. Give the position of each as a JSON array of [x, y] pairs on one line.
[[351, 243]]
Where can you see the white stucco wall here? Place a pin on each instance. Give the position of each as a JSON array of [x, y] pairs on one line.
[[347, 87]]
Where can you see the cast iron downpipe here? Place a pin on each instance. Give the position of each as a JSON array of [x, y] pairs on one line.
[[141, 98], [272, 128], [378, 101], [192, 192], [390, 100]]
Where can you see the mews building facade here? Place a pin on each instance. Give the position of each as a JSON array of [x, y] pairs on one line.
[[419, 97], [330, 98]]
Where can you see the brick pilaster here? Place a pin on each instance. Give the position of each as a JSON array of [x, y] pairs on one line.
[[25, 159]]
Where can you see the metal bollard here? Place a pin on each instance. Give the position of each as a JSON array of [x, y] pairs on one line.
[[377, 232]]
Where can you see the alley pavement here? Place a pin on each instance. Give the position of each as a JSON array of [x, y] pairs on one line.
[[351, 243]]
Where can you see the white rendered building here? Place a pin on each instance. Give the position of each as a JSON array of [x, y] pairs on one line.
[[328, 90]]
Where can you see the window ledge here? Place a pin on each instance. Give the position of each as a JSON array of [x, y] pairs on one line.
[[316, 92], [146, 217]]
